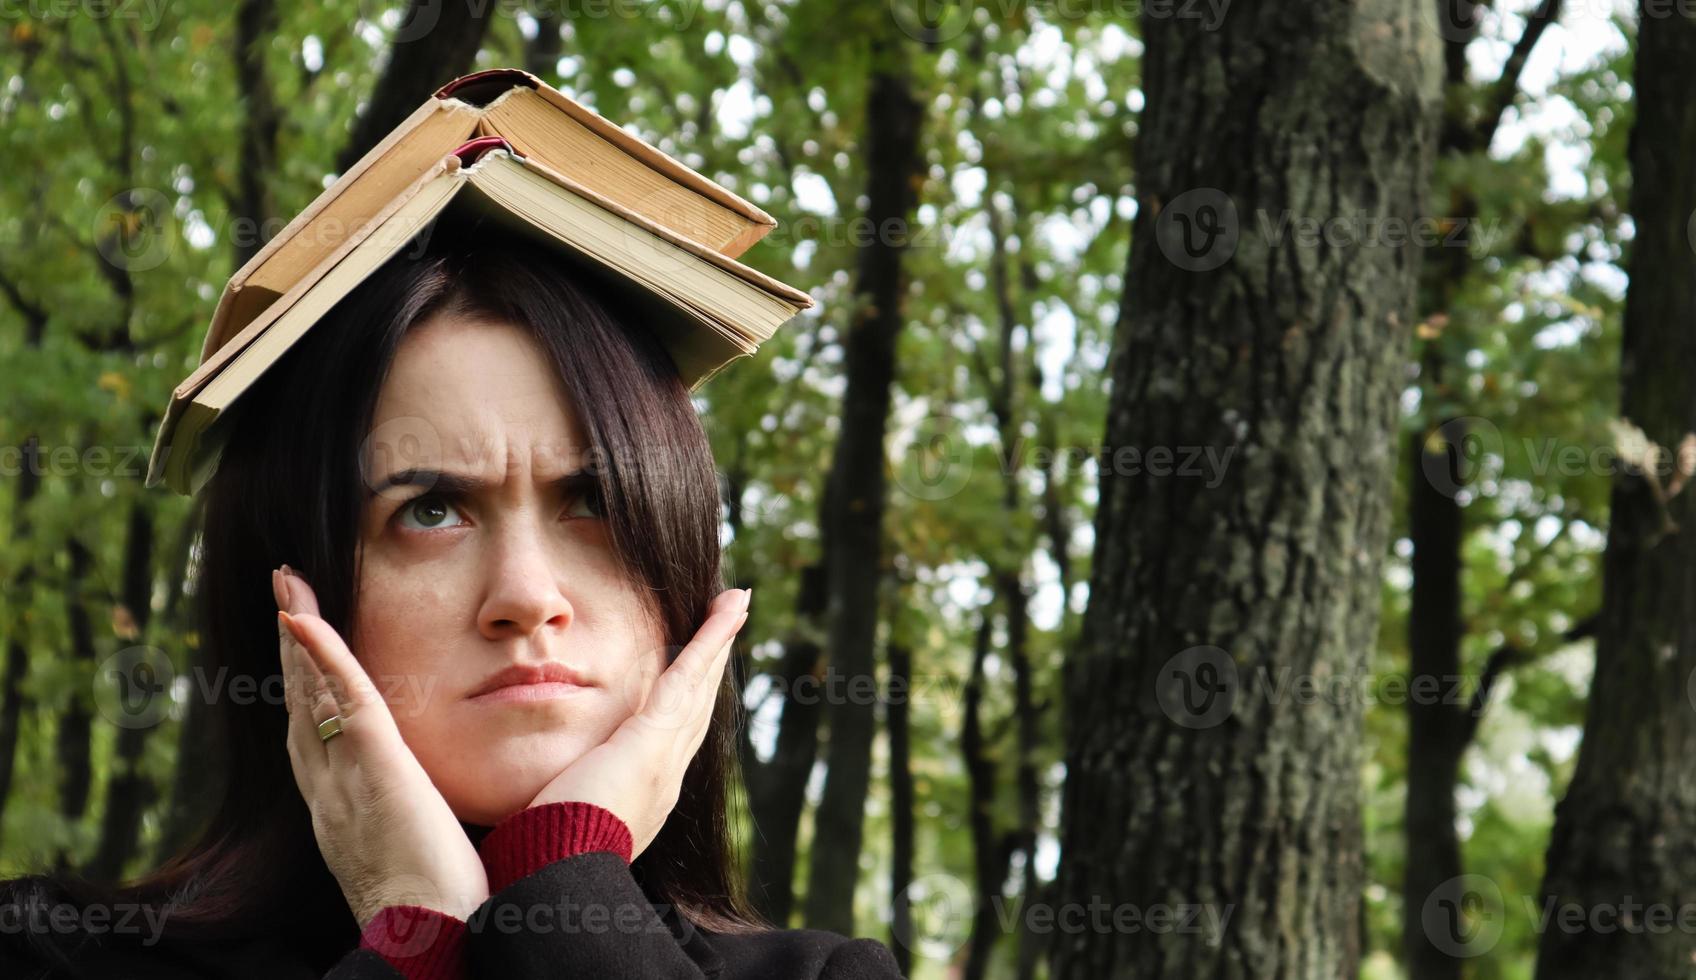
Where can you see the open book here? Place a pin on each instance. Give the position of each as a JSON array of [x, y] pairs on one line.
[[709, 308], [540, 123]]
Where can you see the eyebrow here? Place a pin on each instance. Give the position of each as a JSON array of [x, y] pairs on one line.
[[461, 484]]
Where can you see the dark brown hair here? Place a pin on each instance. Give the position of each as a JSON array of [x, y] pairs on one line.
[[289, 489]]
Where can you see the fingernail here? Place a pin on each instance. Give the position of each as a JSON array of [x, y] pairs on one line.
[[279, 591], [292, 626]]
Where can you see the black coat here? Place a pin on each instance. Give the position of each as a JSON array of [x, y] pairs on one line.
[[583, 916]]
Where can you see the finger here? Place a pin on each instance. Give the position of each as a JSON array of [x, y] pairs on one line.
[[302, 597], [344, 687], [696, 706], [674, 704], [710, 695], [345, 677], [314, 701], [300, 673], [706, 697], [306, 753], [676, 688], [301, 680]]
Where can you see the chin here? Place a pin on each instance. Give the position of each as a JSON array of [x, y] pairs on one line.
[[495, 799], [503, 781]]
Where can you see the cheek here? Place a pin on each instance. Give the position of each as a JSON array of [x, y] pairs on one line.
[[402, 621], [648, 660]]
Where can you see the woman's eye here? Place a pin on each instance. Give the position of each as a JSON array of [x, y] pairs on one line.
[[587, 503], [430, 512]]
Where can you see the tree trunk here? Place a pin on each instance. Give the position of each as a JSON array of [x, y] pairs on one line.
[[256, 28], [1437, 730], [542, 54], [434, 44], [901, 802], [1623, 851], [777, 789], [856, 493], [20, 595], [1030, 788], [76, 774], [17, 649], [989, 848], [1006, 403], [193, 783], [1253, 581], [128, 790]]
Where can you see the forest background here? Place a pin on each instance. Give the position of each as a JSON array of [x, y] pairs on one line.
[[1036, 467]]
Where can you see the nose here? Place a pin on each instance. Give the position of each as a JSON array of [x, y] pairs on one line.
[[523, 593]]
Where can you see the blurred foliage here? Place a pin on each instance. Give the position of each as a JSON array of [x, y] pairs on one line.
[[117, 231]]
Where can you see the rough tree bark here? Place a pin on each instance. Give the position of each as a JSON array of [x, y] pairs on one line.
[[1276, 330], [1623, 851]]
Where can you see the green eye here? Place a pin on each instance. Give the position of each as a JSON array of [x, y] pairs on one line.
[[431, 512]]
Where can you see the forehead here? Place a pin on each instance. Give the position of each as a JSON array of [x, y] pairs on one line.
[[477, 396]]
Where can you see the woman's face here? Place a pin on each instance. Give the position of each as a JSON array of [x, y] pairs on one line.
[[476, 557]]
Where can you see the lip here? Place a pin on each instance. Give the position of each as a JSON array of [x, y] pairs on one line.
[[530, 682], [528, 693]]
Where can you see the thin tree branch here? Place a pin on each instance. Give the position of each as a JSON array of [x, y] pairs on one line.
[[1507, 85]]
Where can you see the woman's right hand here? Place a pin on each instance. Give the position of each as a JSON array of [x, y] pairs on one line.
[[382, 826]]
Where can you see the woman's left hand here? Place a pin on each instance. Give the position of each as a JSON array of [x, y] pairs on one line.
[[637, 773]]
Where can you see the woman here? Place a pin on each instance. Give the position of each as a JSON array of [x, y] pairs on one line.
[[471, 520]]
